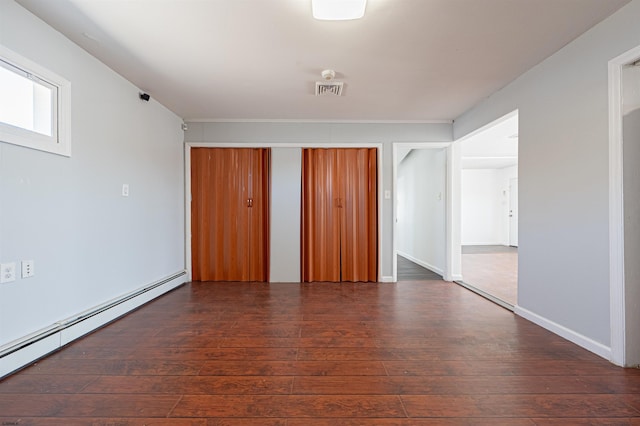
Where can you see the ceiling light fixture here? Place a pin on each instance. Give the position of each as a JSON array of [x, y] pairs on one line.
[[338, 10]]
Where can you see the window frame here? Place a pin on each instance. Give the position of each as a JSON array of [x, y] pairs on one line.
[[60, 140]]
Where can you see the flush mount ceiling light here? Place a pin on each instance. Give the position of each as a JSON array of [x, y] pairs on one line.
[[338, 10]]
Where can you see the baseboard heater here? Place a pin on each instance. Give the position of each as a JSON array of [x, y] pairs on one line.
[[64, 324]]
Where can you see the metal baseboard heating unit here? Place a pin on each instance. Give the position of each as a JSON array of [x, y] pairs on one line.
[[59, 326]]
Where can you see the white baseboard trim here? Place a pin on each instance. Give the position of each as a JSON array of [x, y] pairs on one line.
[[562, 331], [484, 244], [20, 353], [387, 279], [421, 263]]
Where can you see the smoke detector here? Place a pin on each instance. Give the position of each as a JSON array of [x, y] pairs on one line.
[[329, 86], [328, 74]]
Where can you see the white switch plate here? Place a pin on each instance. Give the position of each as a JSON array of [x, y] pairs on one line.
[[7, 272], [125, 189], [28, 268], [387, 194]]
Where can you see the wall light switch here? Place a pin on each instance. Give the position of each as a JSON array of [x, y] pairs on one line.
[[387, 194], [7, 272], [28, 268], [125, 189]]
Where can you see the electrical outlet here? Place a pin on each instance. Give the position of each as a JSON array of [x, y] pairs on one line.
[[28, 268], [7, 272]]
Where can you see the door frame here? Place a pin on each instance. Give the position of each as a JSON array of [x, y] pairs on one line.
[[616, 209], [452, 266], [187, 182]]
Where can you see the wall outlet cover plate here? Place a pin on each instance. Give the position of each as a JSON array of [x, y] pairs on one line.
[[7, 272]]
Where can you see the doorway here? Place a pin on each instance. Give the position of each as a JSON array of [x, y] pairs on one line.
[[421, 214], [449, 247], [631, 179], [230, 214], [624, 206], [489, 206]]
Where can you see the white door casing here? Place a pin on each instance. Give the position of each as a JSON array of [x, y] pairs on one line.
[[617, 284]]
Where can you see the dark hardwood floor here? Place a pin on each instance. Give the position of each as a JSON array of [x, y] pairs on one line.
[[409, 271], [321, 354]]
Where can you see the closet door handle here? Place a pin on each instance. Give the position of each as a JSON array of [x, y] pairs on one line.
[[249, 202]]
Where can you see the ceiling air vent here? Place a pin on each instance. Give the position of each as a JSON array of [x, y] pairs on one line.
[[324, 88]]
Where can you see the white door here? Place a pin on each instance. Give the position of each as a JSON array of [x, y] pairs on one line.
[[513, 212]]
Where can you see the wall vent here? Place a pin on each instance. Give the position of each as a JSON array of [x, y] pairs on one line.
[[324, 88]]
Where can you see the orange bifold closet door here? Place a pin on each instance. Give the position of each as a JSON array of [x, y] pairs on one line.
[[339, 215], [230, 214]]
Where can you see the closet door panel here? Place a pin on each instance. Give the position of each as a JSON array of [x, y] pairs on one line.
[[222, 237], [339, 215], [320, 239], [236, 246], [259, 185], [359, 242], [201, 205]]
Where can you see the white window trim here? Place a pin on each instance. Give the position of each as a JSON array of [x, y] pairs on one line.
[[60, 143]]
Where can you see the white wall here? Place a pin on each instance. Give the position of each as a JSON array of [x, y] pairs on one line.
[[286, 186], [631, 168], [89, 243], [318, 134], [481, 203], [485, 205], [563, 279], [421, 208]]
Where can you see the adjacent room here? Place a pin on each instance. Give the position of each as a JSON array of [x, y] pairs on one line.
[[489, 225], [319, 212], [421, 213]]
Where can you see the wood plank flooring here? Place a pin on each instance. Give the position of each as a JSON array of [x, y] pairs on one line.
[[321, 354], [492, 269], [410, 271]]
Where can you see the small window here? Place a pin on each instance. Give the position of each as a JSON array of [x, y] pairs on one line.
[[33, 105]]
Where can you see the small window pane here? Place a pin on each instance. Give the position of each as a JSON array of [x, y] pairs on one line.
[[25, 102], [34, 105]]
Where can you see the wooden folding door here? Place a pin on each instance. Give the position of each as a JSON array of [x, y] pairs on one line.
[[339, 215], [230, 214], [320, 257], [358, 171]]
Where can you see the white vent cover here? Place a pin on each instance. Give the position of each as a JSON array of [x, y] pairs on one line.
[[329, 88]]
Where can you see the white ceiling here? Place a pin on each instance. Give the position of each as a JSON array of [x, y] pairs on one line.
[[494, 147], [630, 88], [406, 60]]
